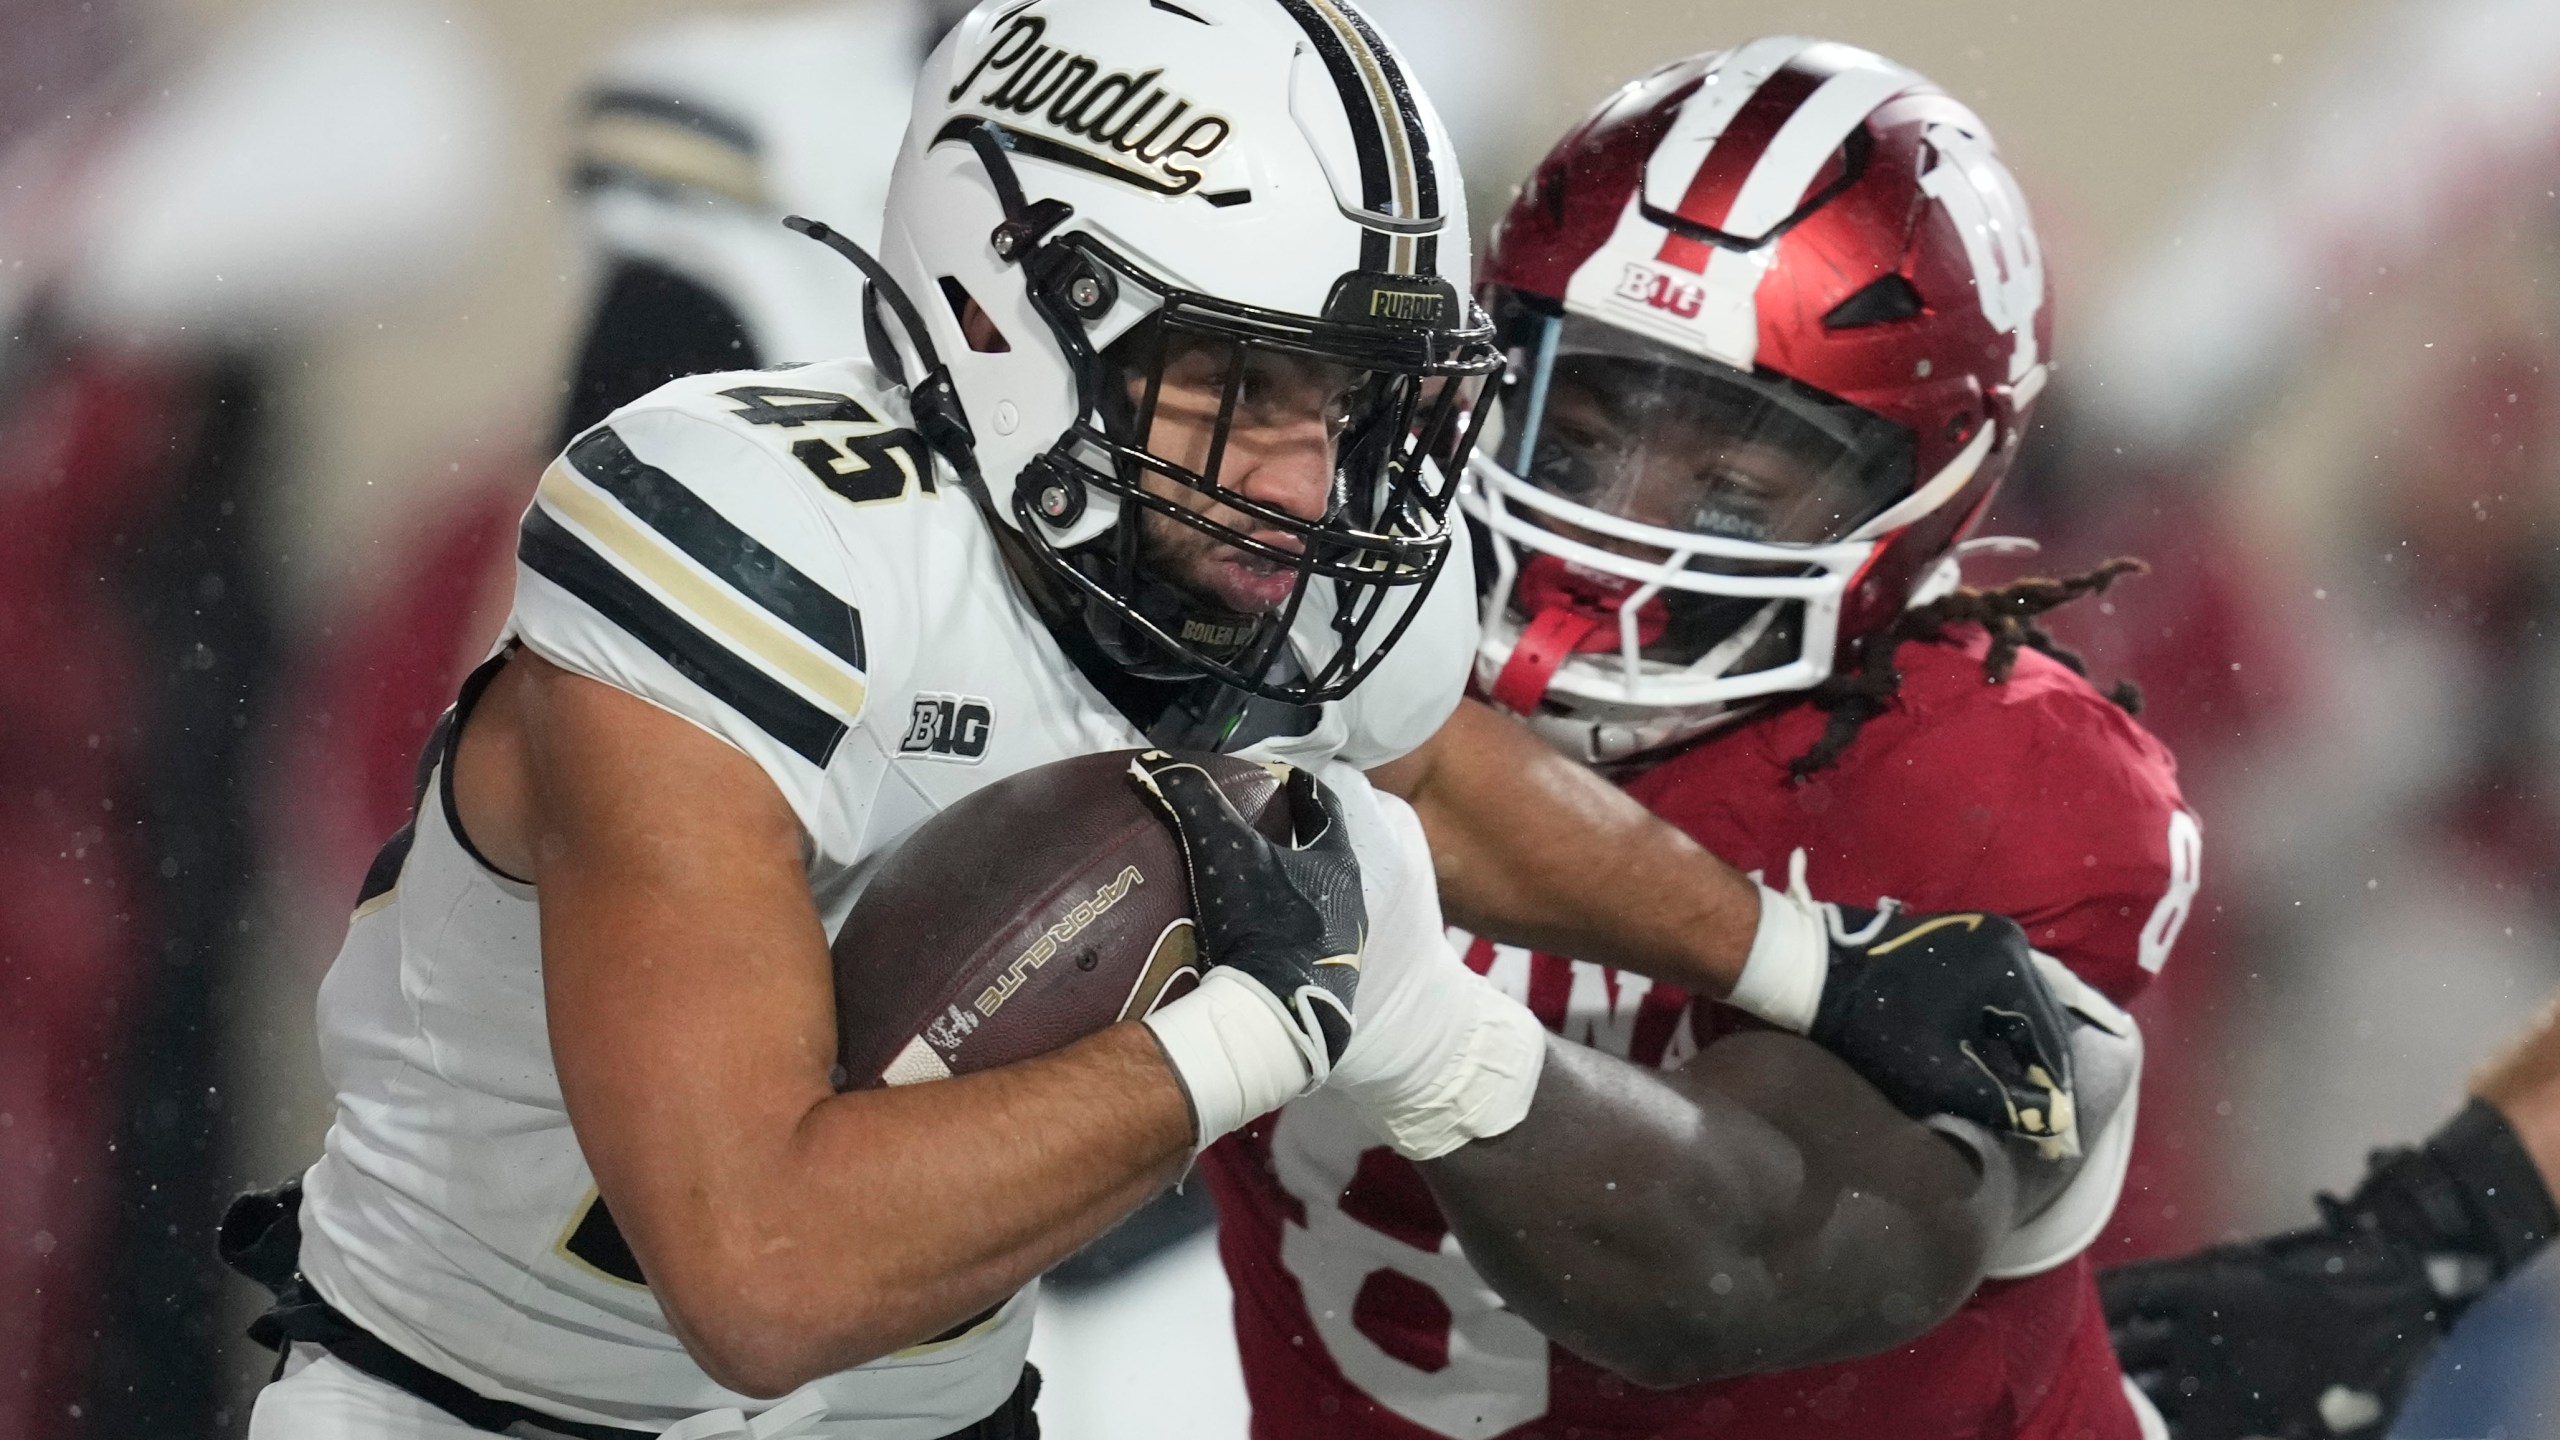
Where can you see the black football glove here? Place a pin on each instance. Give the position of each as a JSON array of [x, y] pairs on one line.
[[1947, 1015], [1290, 917], [2319, 1334]]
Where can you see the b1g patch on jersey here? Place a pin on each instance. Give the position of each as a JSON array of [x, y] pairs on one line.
[[949, 727]]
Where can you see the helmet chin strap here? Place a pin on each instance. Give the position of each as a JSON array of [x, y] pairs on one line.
[[940, 417], [1228, 635], [1563, 630], [1545, 643], [1570, 608]]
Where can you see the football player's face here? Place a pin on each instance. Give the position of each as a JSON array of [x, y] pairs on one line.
[[1289, 415], [1663, 465]]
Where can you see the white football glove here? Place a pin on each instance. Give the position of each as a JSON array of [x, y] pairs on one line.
[[1439, 1056]]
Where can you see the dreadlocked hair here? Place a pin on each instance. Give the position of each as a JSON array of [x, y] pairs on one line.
[[2010, 613]]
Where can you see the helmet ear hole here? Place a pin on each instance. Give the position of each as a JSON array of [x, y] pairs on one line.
[[1889, 298], [976, 325]]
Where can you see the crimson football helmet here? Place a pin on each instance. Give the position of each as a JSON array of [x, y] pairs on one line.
[[1775, 316]]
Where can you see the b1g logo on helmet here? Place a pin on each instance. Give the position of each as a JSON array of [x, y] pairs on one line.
[[1662, 290], [1982, 198], [949, 727], [1120, 112]]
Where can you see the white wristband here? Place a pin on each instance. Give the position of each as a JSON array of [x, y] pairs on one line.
[[1237, 1059], [1781, 981]]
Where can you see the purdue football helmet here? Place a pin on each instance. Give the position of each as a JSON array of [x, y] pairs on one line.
[[1101, 205], [1776, 316]]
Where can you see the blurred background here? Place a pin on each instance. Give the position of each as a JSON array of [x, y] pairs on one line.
[[290, 294]]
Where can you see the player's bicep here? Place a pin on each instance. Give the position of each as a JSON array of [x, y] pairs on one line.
[[684, 965]]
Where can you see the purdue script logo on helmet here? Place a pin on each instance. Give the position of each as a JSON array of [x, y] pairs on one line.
[[1079, 96]]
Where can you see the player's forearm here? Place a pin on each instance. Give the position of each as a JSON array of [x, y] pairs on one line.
[[886, 1217], [1536, 850], [1760, 1209]]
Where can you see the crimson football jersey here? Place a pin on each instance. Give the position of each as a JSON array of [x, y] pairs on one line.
[[1356, 1313]]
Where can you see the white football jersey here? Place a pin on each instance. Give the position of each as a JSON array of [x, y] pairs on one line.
[[773, 556]]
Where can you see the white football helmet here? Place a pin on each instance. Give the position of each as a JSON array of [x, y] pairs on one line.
[[1095, 184]]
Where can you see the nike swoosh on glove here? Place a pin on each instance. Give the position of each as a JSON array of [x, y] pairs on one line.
[[1945, 1013]]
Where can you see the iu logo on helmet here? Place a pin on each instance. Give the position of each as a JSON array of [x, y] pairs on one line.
[[949, 727], [2008, 266]]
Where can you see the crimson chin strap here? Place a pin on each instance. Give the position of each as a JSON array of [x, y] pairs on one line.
[[1572, 611], [1544, 645]]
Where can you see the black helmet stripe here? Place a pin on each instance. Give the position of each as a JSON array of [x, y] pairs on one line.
[[1368, 140], [1398, 180], [1408, 116]]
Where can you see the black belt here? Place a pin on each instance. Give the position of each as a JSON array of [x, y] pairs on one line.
[[261, 1238]]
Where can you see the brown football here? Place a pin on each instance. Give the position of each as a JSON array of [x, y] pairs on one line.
[[1030, 914]]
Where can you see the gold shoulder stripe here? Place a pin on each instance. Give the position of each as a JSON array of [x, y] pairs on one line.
[[740, 625]]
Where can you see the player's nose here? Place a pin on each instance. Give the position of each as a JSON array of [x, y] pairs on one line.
[[1292, 469]]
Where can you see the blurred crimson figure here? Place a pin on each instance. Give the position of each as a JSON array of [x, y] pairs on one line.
[[131, 633], [171, 237], [85, 441]]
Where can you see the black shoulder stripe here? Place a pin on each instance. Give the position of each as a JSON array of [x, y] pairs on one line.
[[777, 710], [663, 504], [677, 111]]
